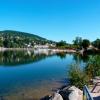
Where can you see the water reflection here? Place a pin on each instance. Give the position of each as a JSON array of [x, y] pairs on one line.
[[80, 58], [62, 55], [12, 57], [18, 57]]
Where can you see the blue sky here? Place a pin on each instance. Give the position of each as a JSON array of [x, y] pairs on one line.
[[52, 19]]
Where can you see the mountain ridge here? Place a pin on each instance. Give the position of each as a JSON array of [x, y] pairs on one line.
[[20, 32]]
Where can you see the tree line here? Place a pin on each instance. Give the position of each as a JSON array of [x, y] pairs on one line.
[[79, 43], [16, 39]]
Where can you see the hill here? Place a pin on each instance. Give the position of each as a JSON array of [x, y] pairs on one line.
[[16, 39]]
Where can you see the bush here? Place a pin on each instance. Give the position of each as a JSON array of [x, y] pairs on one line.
[[93, 67], [77, 76]]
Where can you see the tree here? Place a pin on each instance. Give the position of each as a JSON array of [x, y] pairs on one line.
[[1, 42], [61, 43], [85, 43], [5, 43], [96, 43], [78, 42]]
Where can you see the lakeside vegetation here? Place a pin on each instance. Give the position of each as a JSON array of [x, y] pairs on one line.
[[80, 77], [79, 43], [77, 76]]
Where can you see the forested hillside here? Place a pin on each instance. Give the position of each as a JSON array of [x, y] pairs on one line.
[[16, 39]]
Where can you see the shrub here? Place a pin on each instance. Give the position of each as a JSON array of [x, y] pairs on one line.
[[93, 67], [77, 76]]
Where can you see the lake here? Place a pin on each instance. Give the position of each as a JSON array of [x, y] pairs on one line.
[[31, 74]]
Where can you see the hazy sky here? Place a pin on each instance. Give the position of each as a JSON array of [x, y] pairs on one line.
[[52, 19]]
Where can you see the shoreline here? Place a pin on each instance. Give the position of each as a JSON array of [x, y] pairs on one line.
[[54, 50]]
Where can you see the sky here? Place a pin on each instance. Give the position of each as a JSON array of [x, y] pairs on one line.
[[52, 19]]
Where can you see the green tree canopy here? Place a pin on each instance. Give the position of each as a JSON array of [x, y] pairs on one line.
[[78, 42], [85, 43], [61, 43], [96, 43]]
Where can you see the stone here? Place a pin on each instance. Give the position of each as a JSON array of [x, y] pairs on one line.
[[67, 93], [46, 98], [57, 96], [76, 94], [64, 94], [73, 95]]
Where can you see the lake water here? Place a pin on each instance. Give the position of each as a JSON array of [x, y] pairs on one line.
[[28, 74]]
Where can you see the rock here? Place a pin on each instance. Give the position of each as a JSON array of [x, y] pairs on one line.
[[57, 96], [66, 88], [64, 94], [46, 98], [76, 93], [73, 95], [97, 77], [73, 88]]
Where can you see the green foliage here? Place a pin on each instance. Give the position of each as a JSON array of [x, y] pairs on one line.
[[61, 43], [96, 43], [80, 77], [77, 76], [78, 42], [15, 39], [85, 43], [93, 67]]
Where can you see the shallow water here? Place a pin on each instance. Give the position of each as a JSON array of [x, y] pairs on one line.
[[28, 75]]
